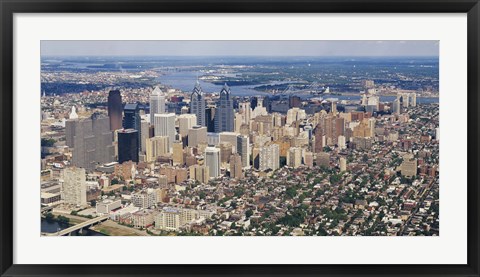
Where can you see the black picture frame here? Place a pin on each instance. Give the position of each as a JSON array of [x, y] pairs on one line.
[[9, 7]]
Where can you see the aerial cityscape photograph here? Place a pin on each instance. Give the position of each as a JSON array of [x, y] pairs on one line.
[[239, 138]]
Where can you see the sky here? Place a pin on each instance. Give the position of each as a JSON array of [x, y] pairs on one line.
[[349, 48]]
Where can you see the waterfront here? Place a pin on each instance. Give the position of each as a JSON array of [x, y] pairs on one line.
[[55, 226]]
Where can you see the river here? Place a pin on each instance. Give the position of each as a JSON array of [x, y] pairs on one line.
[[185, 81], [54, 226]]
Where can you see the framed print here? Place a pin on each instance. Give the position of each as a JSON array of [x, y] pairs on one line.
[[166, 138]]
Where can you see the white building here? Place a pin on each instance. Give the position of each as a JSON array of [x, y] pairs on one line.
[[165, 126], [212, 160], [107, 205], [157, 103], [144, 199], [185, 122]]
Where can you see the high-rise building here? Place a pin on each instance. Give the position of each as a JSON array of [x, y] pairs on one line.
[[295, 114], [343, 164], [294, 157], [212, 160], [157, 103], [396, 106], [185, 122], [224, 114], [132, 120], [144, 134], [230, 137], [115, 109], [144, 199], [243, 148], [155, 147], [210, 119], [199, 173], [92, 141], [197, 135], [74, 188], [178, 155], [165, 126], [198, 104], [236, 166], [269, 157], [246, 111], [128, 145]]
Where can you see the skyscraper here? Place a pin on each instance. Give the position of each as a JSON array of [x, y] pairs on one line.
[[132, 120], [294, 157], [212, 160], [74, 188], [269, 157], [165, 126], [157, 103], [246, 111], [156, 146], [128, 145], [197, 135], [185, 122], [91, 140], [197, 104], [243, 148], [115, 109], [236, 166], [224, 115]]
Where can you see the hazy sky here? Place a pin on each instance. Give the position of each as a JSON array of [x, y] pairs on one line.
[[241, 48]]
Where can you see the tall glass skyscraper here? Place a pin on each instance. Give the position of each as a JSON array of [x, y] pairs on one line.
[[128, 145], [115, 109], [197, 104], [224, 115], [132, 120]]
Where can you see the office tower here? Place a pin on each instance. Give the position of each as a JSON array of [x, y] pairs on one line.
[[115, 109], [224, 113], [246, 111], [199, 173], [198, 104], [155, 147], [74, 188], [319, 134], [197, 135], [165, 126], [238, 122], [294, 157], [178, 155], [323, 159], [230, 137], [295, 114], [92, 141], [210, 119], [212, 160], [132, 120], [185, 122], [243, 148], [144, 134], [128, 145], [343, 164], [70, 126], [157, 103], [333, 108], [269, 157], [413, 95], [225, 152], [396, 106], [236, 166]]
